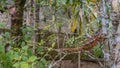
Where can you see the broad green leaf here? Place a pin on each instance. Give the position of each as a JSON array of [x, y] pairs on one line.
[[32, 58], [24, 58], [43, 61], [24, 65], [30, 52], [25, 47], [16, 65]]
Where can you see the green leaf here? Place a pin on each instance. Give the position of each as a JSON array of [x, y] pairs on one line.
[[16, 56], [59, 24], [24, 65], [43, 61], [1, 38], [41, 42], [2, 25], [24, 58], [7, 34], [39, 50], [97, 51], [23, 44], [2, 48], [30, 52], [32, 58], [16, 65], [53, 44], [25, 47]]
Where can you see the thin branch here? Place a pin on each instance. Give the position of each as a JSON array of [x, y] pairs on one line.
[[54, 63]]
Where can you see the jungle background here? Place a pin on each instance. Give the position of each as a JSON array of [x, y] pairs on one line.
[[59, 33]]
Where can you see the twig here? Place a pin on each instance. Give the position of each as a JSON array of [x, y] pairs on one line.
[[95, 58], [79, 59], [53, 64]]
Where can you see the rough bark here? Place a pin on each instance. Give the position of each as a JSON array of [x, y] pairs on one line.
[[16, 12], [115, 15], [105, 31], [111, 51]]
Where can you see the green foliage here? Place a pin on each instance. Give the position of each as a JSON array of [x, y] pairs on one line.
[[2, 25], [75, 41], [23, 57], [71, 42], [3, 5], [97, 51], [27, 32]]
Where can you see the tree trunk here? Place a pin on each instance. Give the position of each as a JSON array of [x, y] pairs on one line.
[[16, 12], [115, 16]]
